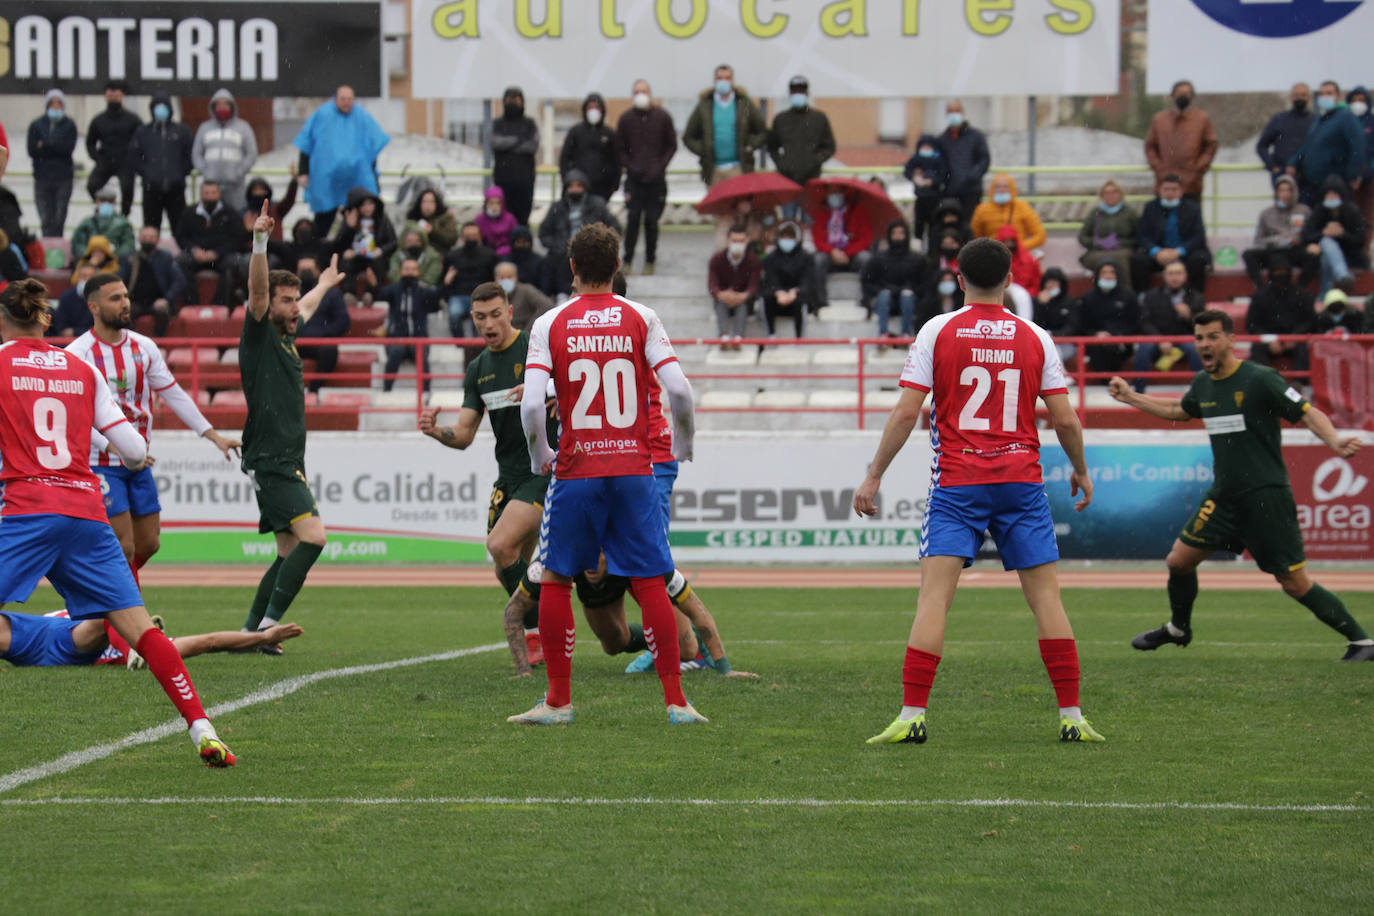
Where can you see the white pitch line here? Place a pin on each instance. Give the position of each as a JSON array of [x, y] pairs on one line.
[[74, 759], [505, 801]]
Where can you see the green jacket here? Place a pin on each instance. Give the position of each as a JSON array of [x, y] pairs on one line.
[[799, 142], [1099, 225], [115, 228], [751, 133]]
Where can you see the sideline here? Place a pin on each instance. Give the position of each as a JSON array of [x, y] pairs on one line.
[[74, 759]]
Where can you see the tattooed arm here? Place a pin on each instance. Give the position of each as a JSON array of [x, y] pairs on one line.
[[459, 435]]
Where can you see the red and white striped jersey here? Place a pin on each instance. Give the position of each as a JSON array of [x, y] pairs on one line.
[[984, 368], [49, 402], [134, 369], [602, 352]]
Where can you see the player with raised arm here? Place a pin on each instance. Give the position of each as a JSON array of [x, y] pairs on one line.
[[134, 368], [52, 522], [983, 368], [1250, 505], [600, 350], [274, 433], [493, 384]]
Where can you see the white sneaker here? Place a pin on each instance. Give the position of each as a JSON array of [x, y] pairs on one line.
[[135, 662], [685, 715], [544, 714]]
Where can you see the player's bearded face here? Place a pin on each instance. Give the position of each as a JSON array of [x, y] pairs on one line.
[[286, 311], [114, 312]]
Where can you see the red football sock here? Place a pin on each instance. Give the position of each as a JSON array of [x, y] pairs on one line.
[[116, 641], [657, 610], [165, 662], [918, 673], [1061, 661], [557, 634]]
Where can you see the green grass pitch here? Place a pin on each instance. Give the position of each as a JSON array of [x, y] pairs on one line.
[[1254, 717]]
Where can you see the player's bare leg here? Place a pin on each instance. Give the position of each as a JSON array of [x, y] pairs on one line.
[[137, 628], [609, 625], [123, 525], [1182, 562], [518, 605], [1059, 652], [1330, 610], [512, 540], [147, 531], [697, 633]]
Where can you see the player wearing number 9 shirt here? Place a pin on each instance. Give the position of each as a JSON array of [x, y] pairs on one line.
[[983, 368], [601, 350], [52, 518]]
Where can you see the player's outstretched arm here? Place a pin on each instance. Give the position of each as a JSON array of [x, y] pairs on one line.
[[459, 435], [1070, 433], [1164, 408], [1317, 421], [258, 299], [900, 423], [330, 277], [682, 405], [230, 640], [534, 417]]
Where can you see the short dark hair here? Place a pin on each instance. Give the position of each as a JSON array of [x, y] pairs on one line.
[[119, 85], [1180, 84], [485, 292], [469, 223], [97, 283], [1209, 316], [595, 253], [739, 229], [1171, 177], [985, 263], [25, 302], [279, 278], [1332, 83]]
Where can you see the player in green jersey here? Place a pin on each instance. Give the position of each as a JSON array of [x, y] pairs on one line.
[[1250, 505], [493, 384], [274, 433]]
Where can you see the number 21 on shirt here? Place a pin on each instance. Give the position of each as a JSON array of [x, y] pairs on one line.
[[981, 381]]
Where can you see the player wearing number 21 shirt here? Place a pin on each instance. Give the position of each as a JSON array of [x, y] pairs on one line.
[[983, 368], [52, 518], [601, 351]]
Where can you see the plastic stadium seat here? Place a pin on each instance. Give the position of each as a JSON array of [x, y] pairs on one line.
[[207, 282], [364, 319], [180, 359], [57, 281], [219, 312], [230, 357], [239, 313], [345, 397], [231, 398]]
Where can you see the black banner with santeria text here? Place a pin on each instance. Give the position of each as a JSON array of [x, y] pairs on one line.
[[254, 49]]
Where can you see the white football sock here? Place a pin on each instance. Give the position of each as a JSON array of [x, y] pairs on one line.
[[1071, 712], [911, 712], [201, 728], [1362, 642], [1173, 630], [268, 623]]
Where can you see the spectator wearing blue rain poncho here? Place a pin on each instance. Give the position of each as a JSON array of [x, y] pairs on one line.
[[339, 146]]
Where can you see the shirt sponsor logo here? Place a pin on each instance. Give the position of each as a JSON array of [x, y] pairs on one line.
[[608, 317], [987, 329], [498, 400], [1292, 394], [41, 359], [1224, 425]]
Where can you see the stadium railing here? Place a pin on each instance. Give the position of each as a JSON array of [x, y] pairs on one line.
[[202, 374]]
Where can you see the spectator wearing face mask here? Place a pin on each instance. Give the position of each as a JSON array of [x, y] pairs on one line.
[[161, 155], [1108, 234], [533, 267], [1182, 141], [787, 281], [842, 235], [966, 153], [1336, 235], [590, 148], [259, 191], [415, 245], [945, 254], [108, 141], [800, 140], [1278, 234], [1334, 147], [1280, 307], [303, 243], [895, 276], [73, 315], [514, 143], [225, 148], [1283, 135], [929, 175], [410, 304], [1358, 103], [154, 281], [1109, 310], [646, 141], [1337, 317], [1004, 208], [941, 297], [1056, 311], [527, 302], [725, 129], [210, 237], [468, 265], [949, 217], [577, 207], [105, 221], [367, 240], [495, 222], [1171, 229], [1167, 311], [733, 278], [330, 320], [51, 141]]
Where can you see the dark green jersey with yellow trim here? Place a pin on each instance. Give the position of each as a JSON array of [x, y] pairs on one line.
[[488, 383], [1242, 413], [270, 370]]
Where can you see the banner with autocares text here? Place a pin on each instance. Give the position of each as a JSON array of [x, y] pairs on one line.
[[250, 47], [867, 48], [770, 499]]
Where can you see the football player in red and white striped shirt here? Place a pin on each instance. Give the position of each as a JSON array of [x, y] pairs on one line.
[[983, 368], [134, 370]]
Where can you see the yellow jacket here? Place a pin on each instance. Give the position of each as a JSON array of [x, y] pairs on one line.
[[988, 217]]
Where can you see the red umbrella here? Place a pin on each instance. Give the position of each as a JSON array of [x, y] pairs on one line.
[[768, 190], [869, 197]]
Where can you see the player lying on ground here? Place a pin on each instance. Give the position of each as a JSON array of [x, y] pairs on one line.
[[53, 522], [493, 384], [1250, 505], [134, 369], [600, 351], [603, 604], [55, 639], [274, 433], [983, 368]]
